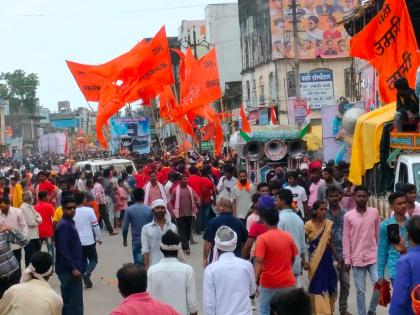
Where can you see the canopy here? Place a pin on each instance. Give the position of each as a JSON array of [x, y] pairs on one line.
[[367, 139]]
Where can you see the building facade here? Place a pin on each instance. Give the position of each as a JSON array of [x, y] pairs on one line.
[[267, 42]]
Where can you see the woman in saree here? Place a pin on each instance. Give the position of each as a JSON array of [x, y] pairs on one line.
[[321, 272]]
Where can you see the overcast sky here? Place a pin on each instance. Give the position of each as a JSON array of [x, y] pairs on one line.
[[39, 35]]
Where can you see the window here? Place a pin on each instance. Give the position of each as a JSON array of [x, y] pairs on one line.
[[273, 88], [291, 84], [262, 92], [254, 92], [403, 173], [248, 90], [348, 83]]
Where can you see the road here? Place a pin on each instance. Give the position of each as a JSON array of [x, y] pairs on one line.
[[104, 295]]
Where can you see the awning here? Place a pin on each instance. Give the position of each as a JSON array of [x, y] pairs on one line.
[[367, 140]]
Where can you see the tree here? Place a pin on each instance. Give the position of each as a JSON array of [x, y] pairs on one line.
[[20, 89]]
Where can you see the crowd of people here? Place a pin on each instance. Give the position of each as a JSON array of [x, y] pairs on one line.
[[259, 240]]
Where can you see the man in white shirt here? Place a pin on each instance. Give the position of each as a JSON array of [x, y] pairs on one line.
[[226, 183], [172, 281], [86, 225], [242, 196], [229, 282], [152, 232], [300, 200]]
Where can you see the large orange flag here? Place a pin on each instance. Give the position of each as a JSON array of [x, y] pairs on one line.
[[90, 83], [388, 42], [139, 74]]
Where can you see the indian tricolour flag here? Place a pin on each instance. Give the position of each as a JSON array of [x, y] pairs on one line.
[[245, 129], [306, 128]]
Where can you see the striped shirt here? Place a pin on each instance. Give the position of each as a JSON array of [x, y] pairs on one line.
[[8, 262]]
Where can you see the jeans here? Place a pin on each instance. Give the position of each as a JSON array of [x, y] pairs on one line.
[[72, 294], [90, 258], [344, 279], [359, 274], [208, 214], [137, 255], [184, 228], [33, 247], [50, 246], [265, 298], [6, 283], [18, 255], [105, 218]]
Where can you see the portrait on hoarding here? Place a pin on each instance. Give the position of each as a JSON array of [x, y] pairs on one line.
[[319, 35]]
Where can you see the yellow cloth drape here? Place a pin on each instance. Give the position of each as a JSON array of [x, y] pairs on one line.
[[17, 196], [366, 141]]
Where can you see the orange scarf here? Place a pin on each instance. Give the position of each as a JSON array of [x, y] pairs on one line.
[[415, 297], [247, 186]]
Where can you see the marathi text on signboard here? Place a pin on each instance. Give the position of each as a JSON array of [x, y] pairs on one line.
[[300, 109], [317, 88]]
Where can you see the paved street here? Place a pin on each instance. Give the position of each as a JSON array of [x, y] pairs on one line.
[[104, 295]]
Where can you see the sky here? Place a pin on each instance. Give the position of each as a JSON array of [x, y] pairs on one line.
[[37, 36]]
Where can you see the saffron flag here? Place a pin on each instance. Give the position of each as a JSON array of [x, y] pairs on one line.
[[246, 127], [388, 42], [90, 83], [273, 116], [207, 133], [139, 74]]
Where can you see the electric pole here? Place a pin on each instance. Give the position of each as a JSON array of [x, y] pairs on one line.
[[295, 23]]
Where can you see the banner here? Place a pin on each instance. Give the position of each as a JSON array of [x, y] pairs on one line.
[[388, 42], [318, 35], [52, 143], [263, 117], [130, 133], [317, 88]]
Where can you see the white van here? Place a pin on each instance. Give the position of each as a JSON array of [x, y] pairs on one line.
[[102, 164]]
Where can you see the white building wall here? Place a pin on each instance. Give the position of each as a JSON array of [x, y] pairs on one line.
[[222, 27], [187, 26]]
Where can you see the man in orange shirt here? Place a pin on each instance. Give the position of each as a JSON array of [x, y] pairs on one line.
[[275, 252]]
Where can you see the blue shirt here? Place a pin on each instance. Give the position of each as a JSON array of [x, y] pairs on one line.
[[406, 278], [138, 215], [387, 254], [290, 222], [229, 220], [337, 231], [68, 247]]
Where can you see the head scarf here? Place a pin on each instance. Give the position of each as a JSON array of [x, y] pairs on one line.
[[158, 203], [173, 248], [224, 246], [30, 273]]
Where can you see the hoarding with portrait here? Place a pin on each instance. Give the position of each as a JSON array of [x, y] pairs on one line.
[[318, 35], [130, 134]]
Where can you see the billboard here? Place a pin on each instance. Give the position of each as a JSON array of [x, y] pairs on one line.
[[130, 133], [318, 35], [317, 88]]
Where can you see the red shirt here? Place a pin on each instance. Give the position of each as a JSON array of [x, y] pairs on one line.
[[142, 303], [46, 210], [207, 190], [195, 182], [141, 180], [162, 175], [46, 186], [216, 172], [277, 249], [257, 229]]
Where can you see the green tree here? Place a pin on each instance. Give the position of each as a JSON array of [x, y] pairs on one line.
[[20, 89]]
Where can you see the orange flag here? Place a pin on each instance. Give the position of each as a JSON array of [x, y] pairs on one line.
[[207, 133], [89, 83], [246, 127], [139, 74], [388, 42]]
